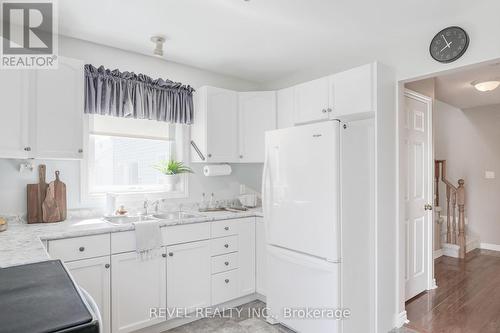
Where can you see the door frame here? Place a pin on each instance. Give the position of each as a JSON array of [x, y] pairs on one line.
[[400, 317], [431, 281]]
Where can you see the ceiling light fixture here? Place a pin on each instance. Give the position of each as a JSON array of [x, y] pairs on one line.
[[159, 41], [486, 85]]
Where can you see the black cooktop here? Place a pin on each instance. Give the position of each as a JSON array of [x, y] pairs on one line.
[[41, 297]]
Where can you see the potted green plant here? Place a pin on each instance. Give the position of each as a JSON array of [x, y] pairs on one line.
[[172, 170]]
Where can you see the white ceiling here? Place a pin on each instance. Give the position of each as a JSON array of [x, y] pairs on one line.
[[265, 40], [456, 89]]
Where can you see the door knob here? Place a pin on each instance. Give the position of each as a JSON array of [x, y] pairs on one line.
[[324, 111], [428, 207]]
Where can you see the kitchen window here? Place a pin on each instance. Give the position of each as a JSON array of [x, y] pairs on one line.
[[121, 153]]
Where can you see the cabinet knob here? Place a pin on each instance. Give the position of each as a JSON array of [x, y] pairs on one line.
[[209, 155], [164, 255], [324, 111], [107, 265], [241, 156], [81, 249], [226, 263], [226, 228], [171, 254], [226, 245], [80, 150], [27, 148], [329, 109], [226, 280]]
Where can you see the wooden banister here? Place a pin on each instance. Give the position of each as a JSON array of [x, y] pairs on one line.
[[455, 196]]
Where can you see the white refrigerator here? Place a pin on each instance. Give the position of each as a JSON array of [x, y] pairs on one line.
[[303, 208]]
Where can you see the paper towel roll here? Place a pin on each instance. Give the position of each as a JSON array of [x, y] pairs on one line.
[[217, 170]]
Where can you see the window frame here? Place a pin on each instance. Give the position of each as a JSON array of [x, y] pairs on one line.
[[181, 153]]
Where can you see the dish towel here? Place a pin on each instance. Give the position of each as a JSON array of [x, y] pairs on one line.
[[147, 238]]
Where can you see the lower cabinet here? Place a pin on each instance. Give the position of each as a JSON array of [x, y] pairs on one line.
[[137, 286], [246, 243], [188, 276], [260, 257], [94, 275]]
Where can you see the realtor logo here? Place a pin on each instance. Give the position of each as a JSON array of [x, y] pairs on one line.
[[29, 35]]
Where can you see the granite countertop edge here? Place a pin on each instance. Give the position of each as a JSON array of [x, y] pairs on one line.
[[23, 243]]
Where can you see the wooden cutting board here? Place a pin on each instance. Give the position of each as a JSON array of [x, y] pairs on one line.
[[50, 210], [60, 196], [36, 196]]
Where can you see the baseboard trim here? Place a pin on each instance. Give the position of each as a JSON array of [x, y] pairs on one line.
[[489, 246], [438, 253], [401, 319]]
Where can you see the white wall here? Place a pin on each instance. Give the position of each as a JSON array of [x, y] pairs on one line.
[[469, 140], [13, 184]]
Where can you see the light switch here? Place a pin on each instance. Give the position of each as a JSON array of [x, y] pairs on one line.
[[489, 174]]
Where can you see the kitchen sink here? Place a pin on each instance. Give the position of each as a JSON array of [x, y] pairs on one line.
[[180, 215], [122, 219]]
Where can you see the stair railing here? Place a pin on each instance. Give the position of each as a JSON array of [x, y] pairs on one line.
[[455, 196]]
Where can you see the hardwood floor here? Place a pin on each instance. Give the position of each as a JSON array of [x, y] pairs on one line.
[[467, 299]]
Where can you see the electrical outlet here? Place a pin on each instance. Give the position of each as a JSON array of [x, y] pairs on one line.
[[489, 174]]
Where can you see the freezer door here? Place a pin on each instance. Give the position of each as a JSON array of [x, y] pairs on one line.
[[301, 189], [298, 282]]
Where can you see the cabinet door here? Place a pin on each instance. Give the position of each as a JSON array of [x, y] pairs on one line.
[[353, 91], [260, 244], [137, 285], [188, 276], [256, 115], [285, 112], [311, 100], [14, 92], [58, 111], [222, 125], [93, 275], [246, 244]]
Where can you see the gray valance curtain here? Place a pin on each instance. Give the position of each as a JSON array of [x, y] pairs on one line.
[[130, 95]]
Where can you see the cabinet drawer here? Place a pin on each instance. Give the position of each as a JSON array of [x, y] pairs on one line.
[[225, 262], [224, 245], [225, 286], [79, 247], [178, 234], [224, 228]]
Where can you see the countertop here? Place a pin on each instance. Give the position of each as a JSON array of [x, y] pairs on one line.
[[22, 243]]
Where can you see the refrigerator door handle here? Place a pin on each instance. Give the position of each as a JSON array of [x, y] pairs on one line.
[[266, 190]]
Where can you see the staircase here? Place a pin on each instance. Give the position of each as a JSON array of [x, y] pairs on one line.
[[454, 242]]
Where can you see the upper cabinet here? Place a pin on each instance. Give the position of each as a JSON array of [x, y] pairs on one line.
[[215, 125], [229, 126], [256, 115], [43, 112], [345, 94], [284, 108], [311, 100], [58, 111], [14, 114], [353, 91]]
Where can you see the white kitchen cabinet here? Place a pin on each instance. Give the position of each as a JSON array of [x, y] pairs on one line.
[[353, 91], [311, 100], [57, 111], [94, 276], [215, 128], [188, 275], [137, 285], [284, 108], [260, 256], [256, 115], [14, 92], [246, 246]]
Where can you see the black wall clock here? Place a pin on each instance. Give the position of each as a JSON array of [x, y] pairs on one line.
[[449, 44]]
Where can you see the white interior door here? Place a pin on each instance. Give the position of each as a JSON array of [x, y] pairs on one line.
[[418, 193]]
